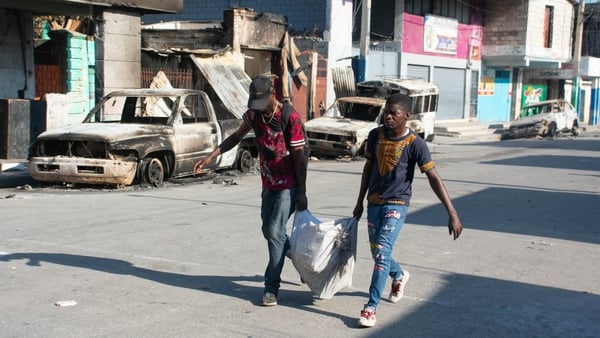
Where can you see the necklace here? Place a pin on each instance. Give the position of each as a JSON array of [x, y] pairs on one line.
[[270, 116]]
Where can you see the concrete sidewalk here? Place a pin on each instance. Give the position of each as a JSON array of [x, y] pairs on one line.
[[478, 131]]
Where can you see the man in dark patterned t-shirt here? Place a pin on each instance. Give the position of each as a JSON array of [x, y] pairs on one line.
[[392, 153]]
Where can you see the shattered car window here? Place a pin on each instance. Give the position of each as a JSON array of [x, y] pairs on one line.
[[112, 109], [363, 112], [194, 110], [155, 106], [134, 109], [538, 109]]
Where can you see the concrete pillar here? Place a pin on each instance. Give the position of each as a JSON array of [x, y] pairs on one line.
[[595, 103], [339, 35], [360, 64], [118, 51], [517, 93]]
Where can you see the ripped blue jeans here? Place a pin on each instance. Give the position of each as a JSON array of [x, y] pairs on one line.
[[384, 225]]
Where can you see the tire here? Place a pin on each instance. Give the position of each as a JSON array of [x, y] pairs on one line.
[[153, 172], [245, 162], [551, 130], [575, 130], [361, 150], [353, 151]]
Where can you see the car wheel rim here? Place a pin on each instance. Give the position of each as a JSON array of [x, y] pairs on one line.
[[246, 161], [155, 172]]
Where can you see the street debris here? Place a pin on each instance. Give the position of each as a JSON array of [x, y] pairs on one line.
[[62, 303]]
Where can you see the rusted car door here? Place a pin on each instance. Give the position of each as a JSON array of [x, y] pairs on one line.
[[560, 116]]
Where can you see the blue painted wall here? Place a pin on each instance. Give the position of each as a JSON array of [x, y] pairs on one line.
[[494, 105], [595, 107], [302, 15]]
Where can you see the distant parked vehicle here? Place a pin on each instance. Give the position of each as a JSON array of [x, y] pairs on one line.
[[139, 135], [424, 98], [344, 127], [546, 119]]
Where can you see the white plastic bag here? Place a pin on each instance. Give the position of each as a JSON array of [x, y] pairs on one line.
[[324, 252]]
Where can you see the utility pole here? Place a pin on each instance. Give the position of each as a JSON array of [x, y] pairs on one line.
[[365, 33], [575, 91]]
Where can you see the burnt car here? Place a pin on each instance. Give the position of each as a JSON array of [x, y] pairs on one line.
[[344, 127], [423, 95], [545, 119], [139, 136]]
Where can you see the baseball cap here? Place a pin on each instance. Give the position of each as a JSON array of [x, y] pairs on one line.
[[261, 90]]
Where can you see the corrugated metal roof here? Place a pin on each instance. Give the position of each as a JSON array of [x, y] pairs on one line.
[[343, 81], [227, 78]]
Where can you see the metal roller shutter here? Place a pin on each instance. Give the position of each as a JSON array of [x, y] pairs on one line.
[[420, 72], [451, 83]]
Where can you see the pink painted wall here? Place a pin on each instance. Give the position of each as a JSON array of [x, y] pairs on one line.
[[412, 41]]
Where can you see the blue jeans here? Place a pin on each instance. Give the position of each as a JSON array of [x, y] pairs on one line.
[[384, 225], [276, 208]]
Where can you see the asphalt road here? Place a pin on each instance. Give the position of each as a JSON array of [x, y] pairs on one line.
[[186, 260]]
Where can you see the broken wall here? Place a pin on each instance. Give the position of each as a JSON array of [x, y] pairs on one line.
[[186, 35], [16, 54]]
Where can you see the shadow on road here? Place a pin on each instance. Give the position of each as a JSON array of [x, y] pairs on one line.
[[531, 212], [464, 306], [230, 286], [554, 161], [471, 306]]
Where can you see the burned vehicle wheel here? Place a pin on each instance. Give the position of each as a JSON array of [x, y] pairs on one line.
[[551, 130], [353, 151], [245, 162], [152, 172]]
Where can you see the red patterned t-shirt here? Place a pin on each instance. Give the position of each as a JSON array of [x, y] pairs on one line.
[[276, 164]]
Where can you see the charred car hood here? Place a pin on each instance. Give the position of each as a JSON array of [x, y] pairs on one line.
[[529, 120], [338, 125], [109, 132]]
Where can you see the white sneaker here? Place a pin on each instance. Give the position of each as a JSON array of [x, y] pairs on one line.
[[398, 288], [367, 318]]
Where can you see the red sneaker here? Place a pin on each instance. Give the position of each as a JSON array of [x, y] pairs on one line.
[[398, 288], [367, 318]]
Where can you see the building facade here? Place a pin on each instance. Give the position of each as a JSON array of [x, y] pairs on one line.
[[527, 49], [487, 57], [84, 70]]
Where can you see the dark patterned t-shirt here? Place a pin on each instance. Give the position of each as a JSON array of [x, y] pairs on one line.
[[394, 162]]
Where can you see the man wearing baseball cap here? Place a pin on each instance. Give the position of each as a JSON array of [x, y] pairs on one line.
[[283, 172]]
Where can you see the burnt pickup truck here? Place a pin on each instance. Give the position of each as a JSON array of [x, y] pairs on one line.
[[139, 136]]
